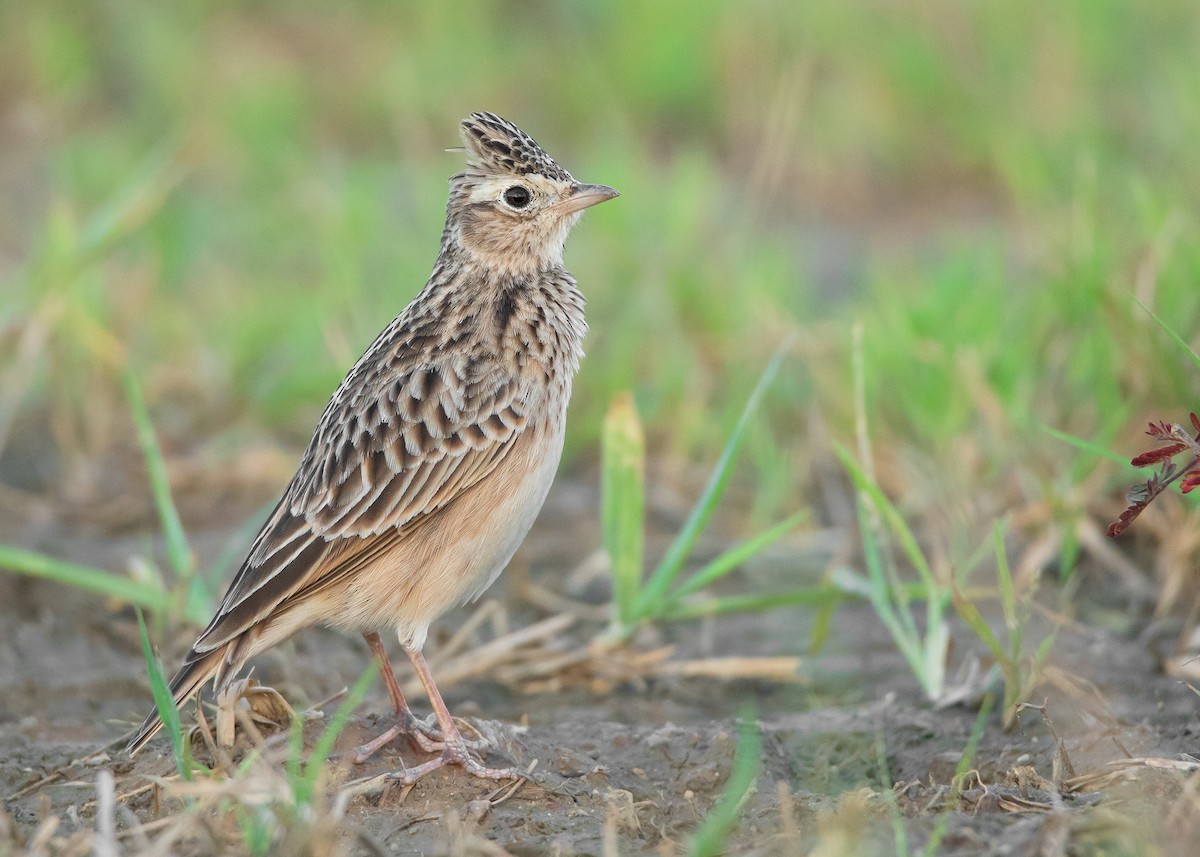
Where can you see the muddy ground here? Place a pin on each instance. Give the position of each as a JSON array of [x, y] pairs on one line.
[[631, 767]]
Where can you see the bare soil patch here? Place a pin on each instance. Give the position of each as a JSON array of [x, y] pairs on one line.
[[637, 764]]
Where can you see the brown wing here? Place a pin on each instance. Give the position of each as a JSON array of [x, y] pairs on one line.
[[388, 451]]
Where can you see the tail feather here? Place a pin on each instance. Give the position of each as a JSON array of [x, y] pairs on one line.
[[196, 669]]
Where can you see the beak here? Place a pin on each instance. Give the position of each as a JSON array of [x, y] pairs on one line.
[[585, 196]]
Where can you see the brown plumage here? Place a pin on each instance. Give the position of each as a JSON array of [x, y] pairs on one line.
[[435, 453]]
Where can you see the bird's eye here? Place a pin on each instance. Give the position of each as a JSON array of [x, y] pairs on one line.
[[517, 196]]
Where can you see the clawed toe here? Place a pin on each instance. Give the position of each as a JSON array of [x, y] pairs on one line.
[[425, 737], [447, 740], [454, 756]]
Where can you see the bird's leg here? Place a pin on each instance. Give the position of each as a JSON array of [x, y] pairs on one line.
[[425, 737], [455, 750]]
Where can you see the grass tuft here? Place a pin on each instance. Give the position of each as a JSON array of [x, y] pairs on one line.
[[663, 594], [925, 650], [1021, 672]]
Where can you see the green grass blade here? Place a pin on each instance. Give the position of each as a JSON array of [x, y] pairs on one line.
[[623, 452], [344, 713], [890, 514], [305, 786], [672, 562], [737, 555], [178, 551], [937, 645], [822, 625], [926, 654], [968, 757], [164, 702], [1043, 649], [1008, 593], [294, 764], [965, 763], [970, 614], [850, 582], [1178, 340], [257, 832], [709, 839], [138, 593], [885, 590], [877, 590], [895, 814], [197, 606], [1088, 446], [815, 596]]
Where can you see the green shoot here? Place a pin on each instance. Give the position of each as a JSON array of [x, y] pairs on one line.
[[258, 831], [140, 197], [896, 817], [197, 606], [709, 839], [816, 596], [659, 583], [965, 762], [1020, 671], [892, 599], [304, 780], [638, 599], [164, 701]]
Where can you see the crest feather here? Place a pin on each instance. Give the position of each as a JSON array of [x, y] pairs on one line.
[[497, 146]]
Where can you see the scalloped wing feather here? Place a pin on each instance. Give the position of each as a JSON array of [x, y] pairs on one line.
[[376, 467]]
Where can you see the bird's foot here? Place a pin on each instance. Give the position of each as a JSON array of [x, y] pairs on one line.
[[428, 739], [454, 753]]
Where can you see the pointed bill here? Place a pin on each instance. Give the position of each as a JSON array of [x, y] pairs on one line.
[[585, 196]]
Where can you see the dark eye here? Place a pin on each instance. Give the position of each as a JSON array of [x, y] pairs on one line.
[[517, 196]]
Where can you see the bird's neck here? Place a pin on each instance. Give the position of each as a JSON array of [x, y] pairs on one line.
[[516, 250], [493, 274]]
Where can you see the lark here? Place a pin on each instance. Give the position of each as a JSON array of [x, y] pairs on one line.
[[435, 454]]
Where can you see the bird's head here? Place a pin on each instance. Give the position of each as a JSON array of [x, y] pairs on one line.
[[513, 206]]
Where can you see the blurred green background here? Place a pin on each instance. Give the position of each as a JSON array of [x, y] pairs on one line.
[[233, 198]]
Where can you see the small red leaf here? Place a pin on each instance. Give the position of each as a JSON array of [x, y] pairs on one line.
[[1156, 455], [1172, 439], [1127, 517]]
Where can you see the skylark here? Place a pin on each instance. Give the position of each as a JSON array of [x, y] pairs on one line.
[[435, 453]]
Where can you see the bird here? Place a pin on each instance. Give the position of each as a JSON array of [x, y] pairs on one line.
[[436, 452]]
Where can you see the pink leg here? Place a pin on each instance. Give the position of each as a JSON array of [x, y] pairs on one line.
[[407, 724], [455, 750]]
